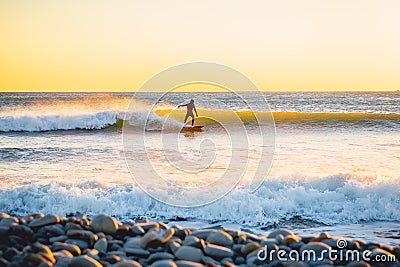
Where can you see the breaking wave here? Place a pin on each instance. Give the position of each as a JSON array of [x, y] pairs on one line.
[[157, 119], [331, 200]]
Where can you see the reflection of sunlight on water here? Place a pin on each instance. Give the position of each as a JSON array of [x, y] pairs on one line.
[[6, 183], [76, 157], [319, 153], [193, 162], [191, 154]]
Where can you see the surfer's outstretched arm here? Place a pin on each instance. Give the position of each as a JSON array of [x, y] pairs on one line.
[[195, 110], [183, 105]]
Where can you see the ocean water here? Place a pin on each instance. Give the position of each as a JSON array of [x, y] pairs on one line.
[[336, 157]]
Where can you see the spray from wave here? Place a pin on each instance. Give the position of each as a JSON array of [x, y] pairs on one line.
[[331, 200], [99, 111], [90, 113], [170, 119]]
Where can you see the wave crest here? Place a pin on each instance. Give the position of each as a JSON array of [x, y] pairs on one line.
[[27, 123], [159, 119], [331, 200]]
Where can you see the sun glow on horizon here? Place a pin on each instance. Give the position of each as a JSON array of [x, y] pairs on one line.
[[115, 46]]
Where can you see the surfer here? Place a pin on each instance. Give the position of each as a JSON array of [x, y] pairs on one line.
[[189, 113]]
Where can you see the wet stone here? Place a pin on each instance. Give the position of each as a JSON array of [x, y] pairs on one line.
[[44, 251], [242, 239], [80, 243], [249, 247], [84, 261], [10, 253], [123, 231], [52, 230], [291, 239], [358, 264], [111, 259], [173, 246], [9, 221], [163, 226], [127, 263], [181, 233], [148, 225], [283, 232], [240, 260], [61, 254], [87, 236], [217, 252], [73, 249], [138, 252], [194, 242], [164, 263], [101, 245], [104, 223], [93, 253], [209, 261], [156, 238], [133, 242], [159, 256], [138, 230], [183, 263], [60, 238], [22, 231], [220, 238], [189, 253], [46, 220], [32, 259], [202, 234], [4, 215], [73, 241]]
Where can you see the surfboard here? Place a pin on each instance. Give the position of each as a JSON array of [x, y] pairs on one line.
[[197, 128]]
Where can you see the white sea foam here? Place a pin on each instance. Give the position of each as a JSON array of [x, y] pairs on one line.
[[332, 200], [89, 113], [89, 121], [27, 123]]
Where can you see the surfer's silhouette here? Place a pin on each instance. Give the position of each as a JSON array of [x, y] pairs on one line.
[[189, 113]]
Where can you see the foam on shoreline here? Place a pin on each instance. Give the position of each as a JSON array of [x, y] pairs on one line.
[[331, 200]]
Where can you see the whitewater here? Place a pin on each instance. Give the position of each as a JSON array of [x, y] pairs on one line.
[[336, 157]]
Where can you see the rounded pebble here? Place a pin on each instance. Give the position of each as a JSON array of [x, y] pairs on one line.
[[104, 223]]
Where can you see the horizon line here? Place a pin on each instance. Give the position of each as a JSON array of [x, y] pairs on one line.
[[210, 91]]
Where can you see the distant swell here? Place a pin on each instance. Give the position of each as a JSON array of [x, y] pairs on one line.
[[156, 120], [331, 118]]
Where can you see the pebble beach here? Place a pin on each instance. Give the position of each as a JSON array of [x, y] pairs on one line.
[[77, 240]]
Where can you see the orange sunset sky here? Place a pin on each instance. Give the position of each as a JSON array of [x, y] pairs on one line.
[[301, 45]]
